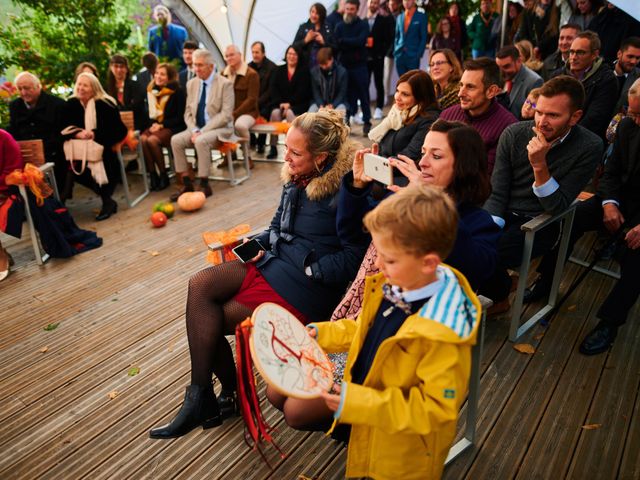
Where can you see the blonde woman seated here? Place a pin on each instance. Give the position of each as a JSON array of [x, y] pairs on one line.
[[445, 71], [402, 131], [96, 114], [166, 112]]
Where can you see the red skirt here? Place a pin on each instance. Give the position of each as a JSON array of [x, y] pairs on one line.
[[255, 290]]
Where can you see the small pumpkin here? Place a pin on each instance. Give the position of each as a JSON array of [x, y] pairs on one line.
[[191, 201]]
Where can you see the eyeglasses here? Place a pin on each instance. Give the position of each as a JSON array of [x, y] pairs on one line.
[[437, 64], [578, 53], [530, 103]]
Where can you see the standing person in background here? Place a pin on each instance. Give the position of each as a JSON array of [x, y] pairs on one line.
[[613, 26], [314, 34], [519, 79], [148, 70], [335, 17], [187, 57], [584, 12], [458, 26], [558, 60], [36, 114], [480, 31], [246, 89], [166, 111], [265, 69], [445, 71], [380, 40], [395, 9], [128, 93], [166, 39], [540, 25], [351, 36], [444, 38], [290, 93], [410, 37]]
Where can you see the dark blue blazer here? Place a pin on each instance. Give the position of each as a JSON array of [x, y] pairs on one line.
[[412, 43]]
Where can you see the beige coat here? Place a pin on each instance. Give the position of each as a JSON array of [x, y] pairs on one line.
[[220, 100]]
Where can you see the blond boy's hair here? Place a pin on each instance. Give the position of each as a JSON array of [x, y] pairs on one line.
[[419, 219]]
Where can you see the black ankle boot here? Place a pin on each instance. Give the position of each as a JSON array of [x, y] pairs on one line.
[[199, 408], [109, 207], [154, 182], [273, 152], [164, 181], [228, 404]]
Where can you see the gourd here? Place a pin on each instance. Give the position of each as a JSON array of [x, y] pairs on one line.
[[191, 201]]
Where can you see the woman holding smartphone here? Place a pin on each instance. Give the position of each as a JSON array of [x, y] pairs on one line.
[[313, 248]]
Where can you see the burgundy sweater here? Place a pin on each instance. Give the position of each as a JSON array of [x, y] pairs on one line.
[[489, 125]]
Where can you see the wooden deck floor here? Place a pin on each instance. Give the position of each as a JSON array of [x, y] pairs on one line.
[[123, 305]]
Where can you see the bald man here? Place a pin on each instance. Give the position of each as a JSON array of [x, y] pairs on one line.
[[36, 115]]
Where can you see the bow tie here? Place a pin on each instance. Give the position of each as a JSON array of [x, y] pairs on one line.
[[396, 300]]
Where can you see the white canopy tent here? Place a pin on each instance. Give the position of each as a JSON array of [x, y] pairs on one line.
[[218, 23]]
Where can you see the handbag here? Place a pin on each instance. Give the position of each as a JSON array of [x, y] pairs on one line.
[[84, 151]]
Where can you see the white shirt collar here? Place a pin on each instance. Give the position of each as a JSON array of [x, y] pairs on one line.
[[427, 291]]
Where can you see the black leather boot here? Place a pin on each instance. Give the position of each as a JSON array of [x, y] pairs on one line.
[[154, 182], [228, 404], [199, 408], [164, 181]]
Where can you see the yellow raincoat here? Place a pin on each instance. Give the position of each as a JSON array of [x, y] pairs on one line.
[[404, 415]]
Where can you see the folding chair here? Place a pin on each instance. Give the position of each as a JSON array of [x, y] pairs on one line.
[[127, 119], [232, 178], [33, 152], [266, 130], [531, 228], [474, 390]]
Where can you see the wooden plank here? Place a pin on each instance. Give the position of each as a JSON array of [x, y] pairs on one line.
[[630, 465]]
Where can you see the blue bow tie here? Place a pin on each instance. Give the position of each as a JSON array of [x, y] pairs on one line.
[[396, 300]]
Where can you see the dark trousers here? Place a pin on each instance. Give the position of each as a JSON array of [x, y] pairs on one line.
[[510, 247], [376, 67], [404, 64], [358, 89], [623, 296]]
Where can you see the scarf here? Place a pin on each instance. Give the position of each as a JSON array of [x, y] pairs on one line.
[[395, 120], [301, 181], [97, 170], [157, 100]]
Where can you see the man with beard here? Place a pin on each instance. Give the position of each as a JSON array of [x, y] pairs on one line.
[[541, 166], [597, 78], [519, 79], [410, 37], [626, 69], [479, 86], [351, 35], [555, 62], [166, 39], [615, 206], [265, 68]]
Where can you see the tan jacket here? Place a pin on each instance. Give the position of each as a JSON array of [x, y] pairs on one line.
[[246, 88], [219, 104]]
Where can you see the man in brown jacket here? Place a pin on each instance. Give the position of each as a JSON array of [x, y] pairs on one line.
[[246, 88]]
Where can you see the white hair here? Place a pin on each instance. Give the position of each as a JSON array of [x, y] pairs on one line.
[[204, 55], [35, 80], [634, 91], [234, 47]]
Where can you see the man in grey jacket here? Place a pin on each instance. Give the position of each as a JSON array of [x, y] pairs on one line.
[[519, 80], [541, 166]]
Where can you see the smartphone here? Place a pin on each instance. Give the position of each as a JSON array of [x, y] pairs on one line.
[[246, 251], [378, 168]]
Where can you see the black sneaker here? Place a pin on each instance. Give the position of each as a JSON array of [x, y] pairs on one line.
[[366, 128]]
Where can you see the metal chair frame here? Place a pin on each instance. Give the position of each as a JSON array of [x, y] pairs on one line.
[[127, 119]]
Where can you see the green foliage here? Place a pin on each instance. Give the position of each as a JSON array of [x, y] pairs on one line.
[[439, 8], [51, 37]]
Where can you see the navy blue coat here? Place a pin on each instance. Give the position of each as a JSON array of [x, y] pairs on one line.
[[304, 233]]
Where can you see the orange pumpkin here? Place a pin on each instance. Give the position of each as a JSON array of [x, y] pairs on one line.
[[191, 201]]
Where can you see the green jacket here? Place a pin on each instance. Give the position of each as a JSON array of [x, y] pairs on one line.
[[480, 33]]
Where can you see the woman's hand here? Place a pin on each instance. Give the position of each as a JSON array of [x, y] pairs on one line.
[[84, 135], [408, 168], [319, 38], [360, 180], [155, 127], [310, 36], [258, 256], [284, 107]]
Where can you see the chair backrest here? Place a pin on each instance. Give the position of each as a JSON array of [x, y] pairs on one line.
[[127, 119], [32, 151]]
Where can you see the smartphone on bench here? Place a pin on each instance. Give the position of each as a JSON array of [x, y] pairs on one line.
[[378, 168], [246, 251]]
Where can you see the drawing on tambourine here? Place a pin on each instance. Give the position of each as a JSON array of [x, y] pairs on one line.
[[286, 356]]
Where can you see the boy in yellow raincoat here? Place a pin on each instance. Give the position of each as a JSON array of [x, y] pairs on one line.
[[409, 350]]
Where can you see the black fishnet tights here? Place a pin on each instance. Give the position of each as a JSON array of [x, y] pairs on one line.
[[212, 314]]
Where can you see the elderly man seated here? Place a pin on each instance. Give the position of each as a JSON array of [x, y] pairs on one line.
[[36, 115], [208, 115]]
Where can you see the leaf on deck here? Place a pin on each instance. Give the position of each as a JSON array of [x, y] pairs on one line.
[[51, 326], [133, 371], [524, 348], [592, 426]]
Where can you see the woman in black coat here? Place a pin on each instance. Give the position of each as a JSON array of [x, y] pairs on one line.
[[290, 92], [166, 114], [128, 94], [403, 130], [314, 34], [95, 113]]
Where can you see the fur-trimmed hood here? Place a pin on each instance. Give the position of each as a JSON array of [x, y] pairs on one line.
[[329, 182]]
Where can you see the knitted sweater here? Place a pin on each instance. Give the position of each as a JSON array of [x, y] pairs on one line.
[[489, 125], [571, 163]]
